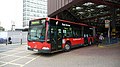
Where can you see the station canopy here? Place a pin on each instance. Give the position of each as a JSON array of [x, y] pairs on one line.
[[96, 11], [91, 12]]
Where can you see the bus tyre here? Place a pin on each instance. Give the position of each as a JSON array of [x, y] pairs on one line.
[[67, 47]]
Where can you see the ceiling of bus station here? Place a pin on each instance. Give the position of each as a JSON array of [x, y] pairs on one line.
[[92, 12]]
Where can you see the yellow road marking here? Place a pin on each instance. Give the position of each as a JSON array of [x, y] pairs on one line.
[[15, 64], [30, 61], [10, 54], [101, 46], [13, 61], [21, 65], [5, 63], [19, 57]]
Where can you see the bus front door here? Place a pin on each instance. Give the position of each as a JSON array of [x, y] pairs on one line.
[[56, 38], [59, 38]]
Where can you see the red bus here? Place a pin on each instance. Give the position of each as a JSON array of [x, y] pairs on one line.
[[48, 35]]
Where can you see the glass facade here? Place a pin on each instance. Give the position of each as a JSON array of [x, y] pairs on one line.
[[33, 9]]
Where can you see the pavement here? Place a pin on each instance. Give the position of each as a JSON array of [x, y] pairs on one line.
[[109, 45], [4, 47]]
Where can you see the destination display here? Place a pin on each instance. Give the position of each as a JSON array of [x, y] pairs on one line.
[[35, 22], [38, 22]]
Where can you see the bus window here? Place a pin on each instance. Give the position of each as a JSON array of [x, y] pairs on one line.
[[53, 32], [59, 30], [35, 31], [76, 33], [67, 32], [88, 31]]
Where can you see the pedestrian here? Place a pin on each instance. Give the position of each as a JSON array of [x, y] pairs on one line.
[[9, 40], [101, 38], [97, 39]]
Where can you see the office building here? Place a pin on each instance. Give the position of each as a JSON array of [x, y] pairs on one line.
[[33, 9]]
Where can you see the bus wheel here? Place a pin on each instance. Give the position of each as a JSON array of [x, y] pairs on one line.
[[67, 47]]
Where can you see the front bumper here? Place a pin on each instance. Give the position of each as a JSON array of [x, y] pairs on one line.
[[39, 51]]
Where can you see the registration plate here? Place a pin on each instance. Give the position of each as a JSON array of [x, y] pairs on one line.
[[35, 50]]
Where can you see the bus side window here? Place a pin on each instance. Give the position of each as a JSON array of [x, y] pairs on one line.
[[64, 33], [76, 35], [67, 35]]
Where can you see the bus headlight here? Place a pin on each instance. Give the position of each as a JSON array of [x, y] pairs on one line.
[[45, 48], [29, 47]]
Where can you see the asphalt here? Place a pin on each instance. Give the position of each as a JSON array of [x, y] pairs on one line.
[[4, 47], [89, 56]]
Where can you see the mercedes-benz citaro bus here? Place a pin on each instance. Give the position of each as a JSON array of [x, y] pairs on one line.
[[48, 35]]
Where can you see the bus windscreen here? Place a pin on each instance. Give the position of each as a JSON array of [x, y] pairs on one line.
[[36, 30]]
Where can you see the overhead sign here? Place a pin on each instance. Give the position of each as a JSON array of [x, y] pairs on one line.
[[107, 23], [35, 22], [38, 22]]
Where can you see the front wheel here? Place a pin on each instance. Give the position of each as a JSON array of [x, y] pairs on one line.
[[67, 47]]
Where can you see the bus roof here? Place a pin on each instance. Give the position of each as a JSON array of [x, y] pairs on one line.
[[77, 23], [37, 19]]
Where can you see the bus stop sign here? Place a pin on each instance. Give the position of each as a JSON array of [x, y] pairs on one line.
[[107, 23]]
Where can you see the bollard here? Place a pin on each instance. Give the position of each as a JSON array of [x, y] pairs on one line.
[[6, 41], [21, 41]]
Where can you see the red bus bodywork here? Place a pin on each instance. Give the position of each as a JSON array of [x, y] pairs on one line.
[[45, 47], [40, 47]]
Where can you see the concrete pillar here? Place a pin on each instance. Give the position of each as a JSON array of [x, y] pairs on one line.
[[94, 32], [113, 22], [82, 31], [113, 26]]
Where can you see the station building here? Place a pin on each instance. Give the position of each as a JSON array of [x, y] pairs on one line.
[[92, 12], [103, 14]]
